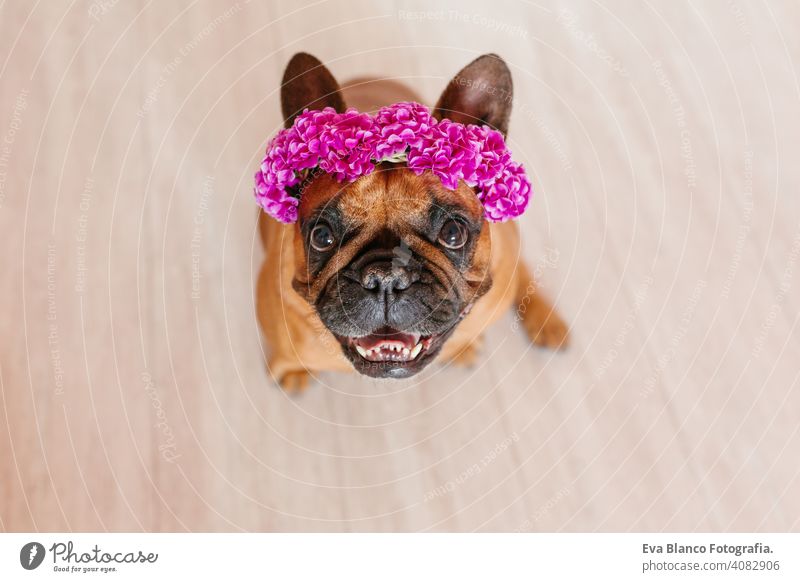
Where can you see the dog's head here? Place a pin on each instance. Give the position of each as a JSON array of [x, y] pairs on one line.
[[394, 261]]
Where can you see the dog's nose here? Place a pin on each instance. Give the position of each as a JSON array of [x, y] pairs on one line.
[[385, 278]]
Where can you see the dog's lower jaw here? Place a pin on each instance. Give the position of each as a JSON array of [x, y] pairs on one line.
[[391, 358], [390, 353]]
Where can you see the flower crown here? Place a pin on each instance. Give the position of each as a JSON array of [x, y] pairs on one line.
[[348, 145]]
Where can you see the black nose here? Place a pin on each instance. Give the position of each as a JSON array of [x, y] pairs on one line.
[[385, 278]]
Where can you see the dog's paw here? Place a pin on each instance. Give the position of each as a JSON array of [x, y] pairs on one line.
[[469, 354], [546, 329], [295, 381]]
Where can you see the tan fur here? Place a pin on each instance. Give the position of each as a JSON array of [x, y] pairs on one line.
[[300, 345]]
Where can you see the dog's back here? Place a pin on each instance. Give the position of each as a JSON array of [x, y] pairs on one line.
[[369, 94]]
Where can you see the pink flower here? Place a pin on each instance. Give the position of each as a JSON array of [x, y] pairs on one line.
[[348, 145], [493, 155], [448, 153], [401, 125], [350, 142], [309, 144], [275, 201], [508, 196]]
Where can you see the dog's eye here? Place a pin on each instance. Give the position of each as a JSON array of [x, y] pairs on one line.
[[453, 235], [322, 238]]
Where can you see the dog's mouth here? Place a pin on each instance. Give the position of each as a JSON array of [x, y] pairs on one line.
[[390, 345], [391, 353], [388, 352]]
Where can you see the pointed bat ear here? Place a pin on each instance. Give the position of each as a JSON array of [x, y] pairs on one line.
[[307, 83], [481, 93]]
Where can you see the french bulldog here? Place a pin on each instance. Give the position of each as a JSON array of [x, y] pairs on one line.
[[393, 271]]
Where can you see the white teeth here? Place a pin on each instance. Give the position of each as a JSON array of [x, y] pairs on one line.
[[379, 352]]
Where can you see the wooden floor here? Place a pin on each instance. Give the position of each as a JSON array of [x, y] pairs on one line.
[[662, 139]]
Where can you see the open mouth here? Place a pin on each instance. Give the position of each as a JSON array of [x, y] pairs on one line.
[[388, 352], [390, 345]]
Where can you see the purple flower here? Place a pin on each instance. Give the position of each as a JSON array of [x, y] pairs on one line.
[[275, 201], [309, 144], [508, 196], [350, 142], [493, 155], [400, 126], [348, 145]]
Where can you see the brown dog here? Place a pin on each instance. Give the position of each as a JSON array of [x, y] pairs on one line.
[[389, 272]]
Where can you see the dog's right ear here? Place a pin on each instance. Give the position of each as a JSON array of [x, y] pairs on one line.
[[307, 83], [481, 93]]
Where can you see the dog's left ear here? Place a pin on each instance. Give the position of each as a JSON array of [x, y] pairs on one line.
[[308, 83], [481, 93]]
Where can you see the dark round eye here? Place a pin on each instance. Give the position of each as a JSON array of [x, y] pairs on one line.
[[453, 235], [322, 237]]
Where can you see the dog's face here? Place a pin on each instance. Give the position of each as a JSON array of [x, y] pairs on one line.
[[393, 261]]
